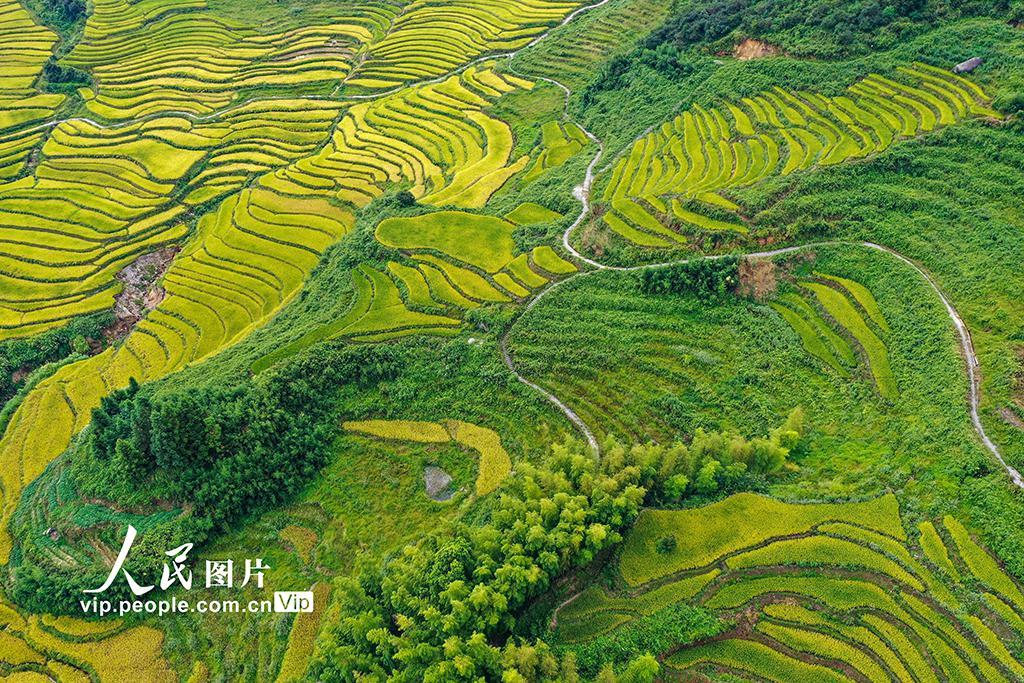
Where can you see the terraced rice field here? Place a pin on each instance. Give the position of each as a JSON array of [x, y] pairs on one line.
[[253, 251], [49, 648], [826, 592], [430, 38], [494, 464], [559, 142], [457, 261], [154, 57], [665, 185], [26, 46], [848, 307], [572, 54]]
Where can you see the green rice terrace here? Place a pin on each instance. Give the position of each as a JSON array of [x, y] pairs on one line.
[[534, 342]]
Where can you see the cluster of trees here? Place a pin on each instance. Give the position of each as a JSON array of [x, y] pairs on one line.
[[445, 609], [66, 17], [225, 451], [820, 28], [25, 355], [220, 454], [712, 463], [704, 278], [834, 29]]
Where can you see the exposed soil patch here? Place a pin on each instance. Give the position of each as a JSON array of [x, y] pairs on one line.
[[749, 48], [1017, 391], [140, 293], [593, 238], [332, 48], [1011, 417], [757, 278], [20, 374]]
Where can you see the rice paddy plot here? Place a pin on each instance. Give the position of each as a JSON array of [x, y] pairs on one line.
[[435, 137], [574, 53], [559, 143], [249, 257], [24, 50], [494, 464], [694, 160], [101, 197], [829, 592], [149, 58], [66, 649], [828, 323], [529, 213], [430, 38]]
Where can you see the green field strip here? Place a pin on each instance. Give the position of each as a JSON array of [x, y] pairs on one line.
[[834, 342], [639, 217], [358, 307], [825, 647], [721, 535], [809, 338], [519, 268], [935, 550], [1003, 657], [896, 637], [859, 637], [594, 626], [442, 290], [695, 152], [823, 550], [844, 313], [549, 261], [898, 552], [968, 658], [982, 565], [1009, 616], [469, 283], [594, 600], [482, 241], [508, 284], [927, 118], [756, 659], [416, 287], [703, 222], [623, 229], [882, 131], [945, 113]]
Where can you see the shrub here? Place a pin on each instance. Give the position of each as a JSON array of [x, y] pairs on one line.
[[665, 544]]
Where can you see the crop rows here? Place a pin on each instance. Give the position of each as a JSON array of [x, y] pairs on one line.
[[153, 57], [559, 143], [102, 197], [573, 53], [252, 252], [833, 592], [424, 296], [250, 256], [657, 191], [431, 38], [48, 648], [495, 463], [820, 339], [23, 51]]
